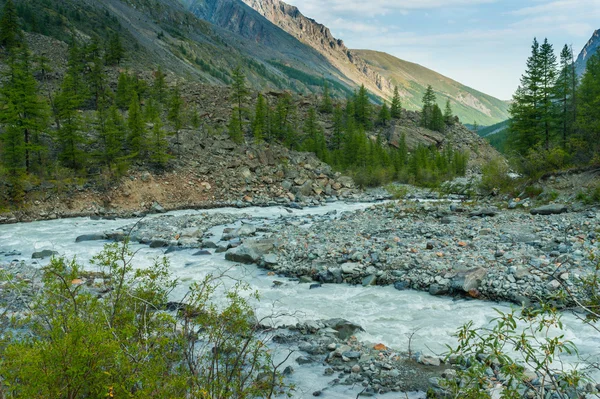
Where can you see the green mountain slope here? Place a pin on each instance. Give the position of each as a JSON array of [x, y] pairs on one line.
[[412, 79]]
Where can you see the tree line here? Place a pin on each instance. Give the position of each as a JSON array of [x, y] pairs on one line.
[[357, 143], [554, 119]]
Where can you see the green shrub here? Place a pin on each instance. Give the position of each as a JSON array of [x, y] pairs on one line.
[[495, 177], [397, 192], [112, 337]]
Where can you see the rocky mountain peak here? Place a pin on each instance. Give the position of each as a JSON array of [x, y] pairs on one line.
[[319, 37], [590, 49]]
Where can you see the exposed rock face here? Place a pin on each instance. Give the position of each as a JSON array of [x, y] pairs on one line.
[[319, 37], [590, 49]]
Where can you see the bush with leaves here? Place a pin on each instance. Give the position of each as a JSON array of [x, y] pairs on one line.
[[112, 336]]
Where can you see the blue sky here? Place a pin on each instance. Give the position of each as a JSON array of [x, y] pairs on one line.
[[481, 43]]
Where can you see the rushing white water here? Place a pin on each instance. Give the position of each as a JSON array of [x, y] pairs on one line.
[[389, 316]]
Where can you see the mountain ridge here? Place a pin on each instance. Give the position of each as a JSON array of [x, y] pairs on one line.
[[588, 50]]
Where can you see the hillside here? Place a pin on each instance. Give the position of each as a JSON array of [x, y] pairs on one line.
[[468, 104], [380, 72]]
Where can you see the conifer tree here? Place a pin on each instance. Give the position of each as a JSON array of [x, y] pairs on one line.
[[235, 127], [11, 35], [326, 106], [175, 114], [362, 108], [125, 91], [159, 145], [448, 114], [111, 128], [282, 121], [525, 128], [259, 124], [565, 94], [588, 118], [384, 115], [396, 106], [338, 125], [548, 74], [70, 137], [437, 119], [115, 52], [22, 112], [239, 92], [136, 138], [159, 87], [427, 110]]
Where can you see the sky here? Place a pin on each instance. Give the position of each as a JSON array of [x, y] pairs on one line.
[[481, 43]]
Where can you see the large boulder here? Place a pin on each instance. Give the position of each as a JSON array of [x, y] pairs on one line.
[[552, 209], [91, 237], [469, 280], [46, 253], [251, 251]]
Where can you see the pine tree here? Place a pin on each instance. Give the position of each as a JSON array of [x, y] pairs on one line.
[[239, 92], [384, 115], [326, 106], [565, 94], [22, 112], [259, 124], [448, 114], [588, 118], [396, 107], [136, 138], [427, 110], [11, 35]]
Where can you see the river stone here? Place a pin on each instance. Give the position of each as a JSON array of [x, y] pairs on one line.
[[46, 253], [202, 253], [251, 251], [345, 329], [350, 267], [484, 212], [436, 289], [158, 208], [174, 248], [470, 279], [91, 237], [158, 244], [270, 259], [369, 280], [553, 209], [401, 285]]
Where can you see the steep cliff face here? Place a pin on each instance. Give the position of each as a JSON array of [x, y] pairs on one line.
[[319, 37], [590, 49]]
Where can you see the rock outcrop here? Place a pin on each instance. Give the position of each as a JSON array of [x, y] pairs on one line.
[[590, 49]]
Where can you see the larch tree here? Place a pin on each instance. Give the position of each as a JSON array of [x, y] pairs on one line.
[[11, 35], [429, 101], [448, 114], [565, 95], [136, 138], [260, 123]]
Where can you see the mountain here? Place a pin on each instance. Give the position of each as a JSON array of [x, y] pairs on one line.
[[468, 104], [380, 72], [590, 49]]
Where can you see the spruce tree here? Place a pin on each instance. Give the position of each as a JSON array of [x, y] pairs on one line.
[[136, 138], [396, 106], [236, 133], [448, 114], [111, 128], [11, 35], [259, 123], [326, 106], [125, 91], [427, 110], [159, 87]]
